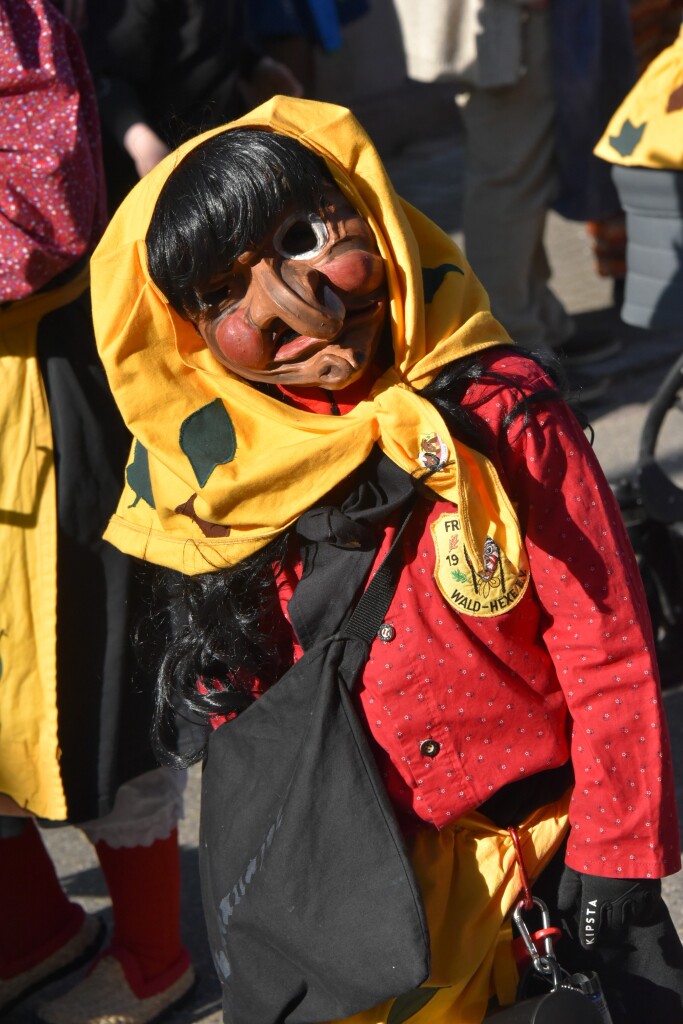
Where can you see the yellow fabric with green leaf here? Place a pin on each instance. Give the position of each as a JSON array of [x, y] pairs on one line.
[[647, 129], [218, 469]]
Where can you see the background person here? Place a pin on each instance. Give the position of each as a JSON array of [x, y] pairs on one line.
[[75, 705]]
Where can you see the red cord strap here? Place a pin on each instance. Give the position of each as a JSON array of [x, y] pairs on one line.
[[526, 886]]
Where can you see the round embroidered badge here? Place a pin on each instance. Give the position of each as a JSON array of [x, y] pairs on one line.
[[469, 590]]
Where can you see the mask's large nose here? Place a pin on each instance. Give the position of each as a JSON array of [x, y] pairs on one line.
[[294, 292]]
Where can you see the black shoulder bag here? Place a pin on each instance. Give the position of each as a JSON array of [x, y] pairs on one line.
[[312, 908]]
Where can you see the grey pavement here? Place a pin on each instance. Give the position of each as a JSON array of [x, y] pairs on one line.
[[429, 173]]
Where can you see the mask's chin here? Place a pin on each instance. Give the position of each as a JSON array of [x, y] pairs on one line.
[[329, 369]]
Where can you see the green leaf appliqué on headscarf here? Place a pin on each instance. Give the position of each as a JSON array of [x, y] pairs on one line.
[[137, 475], [208, 439], [432, 278]]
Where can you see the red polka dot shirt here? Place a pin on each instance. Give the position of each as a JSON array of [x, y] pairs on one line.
[[458, 706]]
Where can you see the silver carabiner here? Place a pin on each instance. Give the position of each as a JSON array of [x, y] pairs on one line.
[[546, 964]]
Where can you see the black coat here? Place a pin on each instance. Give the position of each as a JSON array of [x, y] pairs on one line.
[[104, 694]]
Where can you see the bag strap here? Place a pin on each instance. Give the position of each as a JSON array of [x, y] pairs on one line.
[[369, 613]]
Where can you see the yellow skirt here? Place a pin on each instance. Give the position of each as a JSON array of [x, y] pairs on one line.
[[470, 882]]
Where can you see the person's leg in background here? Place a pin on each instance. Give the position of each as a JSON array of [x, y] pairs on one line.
[[43, 935], [510, 184], [145, 969]]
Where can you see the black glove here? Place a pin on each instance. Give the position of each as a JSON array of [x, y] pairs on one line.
[[604, 908]]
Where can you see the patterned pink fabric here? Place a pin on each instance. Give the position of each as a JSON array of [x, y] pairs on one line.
[[52, 204]]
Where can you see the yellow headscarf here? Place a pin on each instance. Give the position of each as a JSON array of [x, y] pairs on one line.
[[647, 129], [218, 468]]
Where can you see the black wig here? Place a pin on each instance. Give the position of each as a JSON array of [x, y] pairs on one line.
[[221, 200]]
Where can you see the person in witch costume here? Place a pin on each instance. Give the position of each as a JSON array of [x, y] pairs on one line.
[[294, 349], [75, 704]]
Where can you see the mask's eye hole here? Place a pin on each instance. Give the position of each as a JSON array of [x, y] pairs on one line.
[[301, 237], [216, 296], [222, 293]]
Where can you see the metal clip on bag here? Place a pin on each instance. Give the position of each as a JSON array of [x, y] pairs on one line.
[[573, 999], [312, 908]]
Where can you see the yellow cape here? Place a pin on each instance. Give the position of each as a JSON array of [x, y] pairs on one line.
[[247, 464], [29, 743], [647, 129]]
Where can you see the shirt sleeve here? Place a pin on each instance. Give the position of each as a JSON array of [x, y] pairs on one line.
[[52, 205], [596, 628]]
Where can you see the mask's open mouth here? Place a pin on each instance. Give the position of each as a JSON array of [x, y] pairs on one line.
[[286, 336], [292, 345]]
